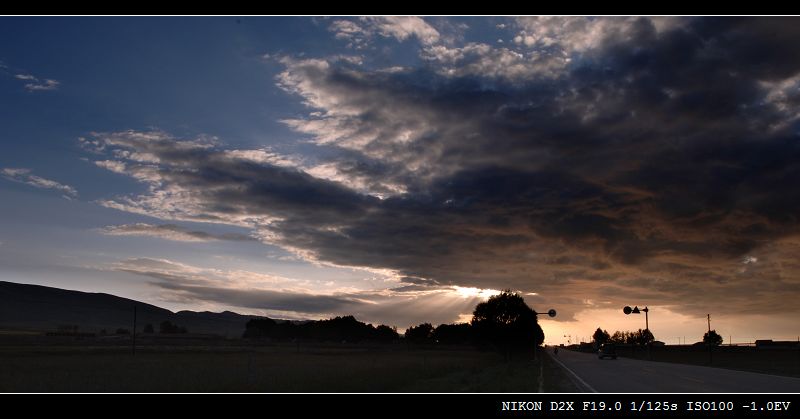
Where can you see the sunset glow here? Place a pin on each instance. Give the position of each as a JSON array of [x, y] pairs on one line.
[[404, 169]]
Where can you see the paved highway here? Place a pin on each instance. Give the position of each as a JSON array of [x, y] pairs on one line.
[[624, 375]]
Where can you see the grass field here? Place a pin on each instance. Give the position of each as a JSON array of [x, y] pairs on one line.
[[271, 368]]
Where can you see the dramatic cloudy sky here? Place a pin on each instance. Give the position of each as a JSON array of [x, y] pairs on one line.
[[402, 169]]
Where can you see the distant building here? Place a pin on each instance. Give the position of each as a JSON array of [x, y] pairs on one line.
[[769, 343]]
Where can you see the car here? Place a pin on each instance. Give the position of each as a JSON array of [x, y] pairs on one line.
[[607, 350]]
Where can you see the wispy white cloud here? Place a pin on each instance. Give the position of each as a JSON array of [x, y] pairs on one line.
[[347, 30], [25, 176], [36, 84], [47, 84], [32, 82], [171, 232], [485, 61], [360, 33], [583, 34], [404, 27], [784, 96], [112, 165]]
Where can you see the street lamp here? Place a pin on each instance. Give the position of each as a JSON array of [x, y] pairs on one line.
[[551, 313], [635, 310]]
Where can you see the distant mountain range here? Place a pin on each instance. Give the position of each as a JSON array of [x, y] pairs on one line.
[[36, 307]]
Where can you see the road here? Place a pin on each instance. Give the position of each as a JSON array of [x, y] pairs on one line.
[[624, 375]]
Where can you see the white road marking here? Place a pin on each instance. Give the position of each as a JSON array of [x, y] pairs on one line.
[[590, 388]]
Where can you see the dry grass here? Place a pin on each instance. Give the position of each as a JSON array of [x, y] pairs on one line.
[[273, 368]]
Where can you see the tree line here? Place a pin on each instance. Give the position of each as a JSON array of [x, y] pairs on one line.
[[337, 329], [504, 321], [637, 337], [644, 337], [166, 327]]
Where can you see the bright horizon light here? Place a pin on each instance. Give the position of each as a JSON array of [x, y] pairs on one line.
[[471, 292]]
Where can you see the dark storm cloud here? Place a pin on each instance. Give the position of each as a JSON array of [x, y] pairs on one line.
[[196, 181], [236, 288], [660, 151], [265, 299]]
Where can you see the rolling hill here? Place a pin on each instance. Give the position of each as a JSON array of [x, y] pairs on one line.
[[36, 307]]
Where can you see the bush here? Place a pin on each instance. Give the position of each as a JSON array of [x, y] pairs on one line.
[[168, 328]]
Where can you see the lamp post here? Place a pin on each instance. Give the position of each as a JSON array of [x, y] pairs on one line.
[[133, 342], [710, 346], [635, 310], [551, 313]]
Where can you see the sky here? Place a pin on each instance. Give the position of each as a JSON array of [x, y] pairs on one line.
[[404, 169]]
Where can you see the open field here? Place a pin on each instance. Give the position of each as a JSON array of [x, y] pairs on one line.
[[232, 367]]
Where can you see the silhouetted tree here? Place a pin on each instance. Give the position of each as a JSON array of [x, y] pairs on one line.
[[386, 334], [639, 337], [420, 334], [507, 321], [68, 328], [644, 337], [600, 336], [337, 329], [259, 328], [345, 328], [618, 337], [148, 328], [453, 334], [712, 338]]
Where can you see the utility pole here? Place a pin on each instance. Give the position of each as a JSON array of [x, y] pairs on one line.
[[133, 345], [710, 346], [551, 313]]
